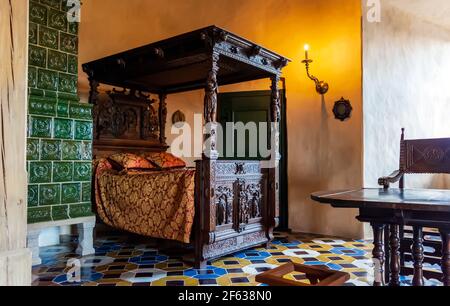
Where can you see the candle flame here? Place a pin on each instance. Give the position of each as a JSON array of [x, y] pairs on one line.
[[306, 47]]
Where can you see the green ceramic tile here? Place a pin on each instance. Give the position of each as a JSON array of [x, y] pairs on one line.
[[52, 3], [68, 83], [73, 28], [71, 150], [71, 193], [33, 33], [47, 80], [69, 43], [38, 13], [83, 130], [63, 109], [80, 111], [57, 60], [82, 171], [49, 194], [32, 77], [86, 151], [51, 94], [57, 20], [32, 149], [41, 106], [60, 212], [33, 195], [68, 97], [63, 129], [62, 172], [40, 127], [36, 92], [50, 149], [80, 210], [37, 56], [53, 104], [48, 37], [40, 172], [73, 64], [86, 192], [39, 214]]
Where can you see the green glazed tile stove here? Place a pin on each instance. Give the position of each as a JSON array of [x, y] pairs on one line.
[[59, 139]]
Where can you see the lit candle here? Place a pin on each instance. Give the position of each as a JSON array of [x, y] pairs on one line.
[[306, 51]]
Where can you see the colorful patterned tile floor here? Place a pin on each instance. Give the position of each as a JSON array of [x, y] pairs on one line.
[[121, 260]]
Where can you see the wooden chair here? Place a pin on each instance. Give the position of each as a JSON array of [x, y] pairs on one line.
[[317, 276], [419, 156]]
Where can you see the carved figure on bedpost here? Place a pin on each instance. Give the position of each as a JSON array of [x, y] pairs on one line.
[[274, 175], [93, 97], [210, 106], [162, 117]]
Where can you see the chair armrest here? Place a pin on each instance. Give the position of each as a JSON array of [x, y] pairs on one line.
[[393, 178]]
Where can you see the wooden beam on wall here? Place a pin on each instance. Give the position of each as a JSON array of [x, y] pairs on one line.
[[15, 259]]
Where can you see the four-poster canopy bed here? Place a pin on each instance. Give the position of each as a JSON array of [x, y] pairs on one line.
[[236, 202]]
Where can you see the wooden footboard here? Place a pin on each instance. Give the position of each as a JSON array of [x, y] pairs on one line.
[[234, 210]]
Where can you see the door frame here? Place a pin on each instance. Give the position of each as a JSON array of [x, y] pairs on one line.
[[15, 258]]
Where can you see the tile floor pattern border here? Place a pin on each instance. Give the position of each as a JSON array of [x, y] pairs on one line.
[[121, 261]]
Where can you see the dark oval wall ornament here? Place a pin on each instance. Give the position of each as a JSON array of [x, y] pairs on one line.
[[342, 109], [178, 117]]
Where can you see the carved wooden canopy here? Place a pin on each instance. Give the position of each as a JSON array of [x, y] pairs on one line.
[[202, 59], [181, 63]]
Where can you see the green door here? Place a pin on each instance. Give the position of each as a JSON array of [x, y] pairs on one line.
[[247, 107]]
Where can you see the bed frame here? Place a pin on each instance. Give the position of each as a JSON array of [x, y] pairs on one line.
[[236, 201]]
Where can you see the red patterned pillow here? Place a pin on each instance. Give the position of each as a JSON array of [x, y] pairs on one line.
[[164, 160], [131, 161], [101, 165]]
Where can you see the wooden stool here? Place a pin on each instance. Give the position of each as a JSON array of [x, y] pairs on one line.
[[318, 276]]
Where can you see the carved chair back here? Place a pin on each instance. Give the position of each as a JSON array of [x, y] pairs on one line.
[[421, 156], [425, 155]]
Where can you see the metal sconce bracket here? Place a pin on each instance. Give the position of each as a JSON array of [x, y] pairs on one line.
[[321, 86]]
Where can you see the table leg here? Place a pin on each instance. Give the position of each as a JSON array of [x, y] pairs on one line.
[[417, 254], [378, 253], [445, 234], [394, 246]]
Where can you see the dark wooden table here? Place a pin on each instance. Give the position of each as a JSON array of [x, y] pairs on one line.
[[394, 208]]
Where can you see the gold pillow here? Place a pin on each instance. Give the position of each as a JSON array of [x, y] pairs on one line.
[[131, 161], [165, 160]]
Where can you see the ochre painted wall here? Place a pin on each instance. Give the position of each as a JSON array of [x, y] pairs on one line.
[[323, 153]]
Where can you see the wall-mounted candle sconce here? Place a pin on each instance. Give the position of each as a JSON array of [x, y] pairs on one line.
[[321, 86]]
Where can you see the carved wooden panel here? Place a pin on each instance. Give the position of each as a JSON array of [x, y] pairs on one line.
[[234, 244], [249, 203], [224, 205], [426, 156], [126, 115], [239, 196]]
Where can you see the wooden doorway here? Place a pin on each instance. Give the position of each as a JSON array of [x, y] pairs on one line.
[[15, 258], [254, 106]]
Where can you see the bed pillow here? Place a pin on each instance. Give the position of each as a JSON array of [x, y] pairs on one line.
[[129, 161], [164, 160]]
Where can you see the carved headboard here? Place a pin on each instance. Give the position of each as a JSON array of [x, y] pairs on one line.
[[128, 121]]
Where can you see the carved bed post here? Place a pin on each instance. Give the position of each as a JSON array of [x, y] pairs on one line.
[[93, 97], [274, 171], [162, 117], [206, 232], [210, 108]]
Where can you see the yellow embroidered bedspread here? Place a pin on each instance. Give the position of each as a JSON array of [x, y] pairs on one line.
[[156, 204]]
